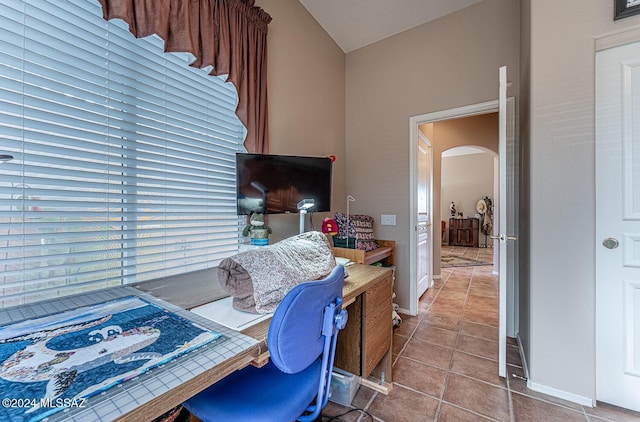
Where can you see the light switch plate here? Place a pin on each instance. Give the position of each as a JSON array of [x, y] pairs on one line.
[[388, 219]]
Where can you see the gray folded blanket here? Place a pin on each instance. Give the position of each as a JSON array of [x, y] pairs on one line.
[[259, 279]]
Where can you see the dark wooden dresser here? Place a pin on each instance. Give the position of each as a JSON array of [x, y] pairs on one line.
[[464, 232]]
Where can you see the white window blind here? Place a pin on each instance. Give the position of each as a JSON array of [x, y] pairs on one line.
[[124, 166]]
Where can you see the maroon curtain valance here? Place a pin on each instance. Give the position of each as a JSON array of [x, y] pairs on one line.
[[229, 35]]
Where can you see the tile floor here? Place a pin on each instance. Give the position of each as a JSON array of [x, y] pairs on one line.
[[446, 369]]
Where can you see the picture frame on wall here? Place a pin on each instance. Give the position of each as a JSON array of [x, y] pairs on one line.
[[626, 8]]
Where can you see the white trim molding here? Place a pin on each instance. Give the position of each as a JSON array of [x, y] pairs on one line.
[[561, 394], [405, 311], [616, 39]]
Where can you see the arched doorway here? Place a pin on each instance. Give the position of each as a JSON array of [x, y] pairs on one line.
[[469, 186]]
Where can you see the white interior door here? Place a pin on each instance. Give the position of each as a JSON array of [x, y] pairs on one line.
[[500, 243], [618, 226], [424, 267]]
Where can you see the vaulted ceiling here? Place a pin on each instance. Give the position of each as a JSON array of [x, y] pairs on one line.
[[357, 23]]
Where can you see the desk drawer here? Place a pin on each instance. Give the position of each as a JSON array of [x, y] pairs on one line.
[[378, 295], [377, 325], [378, 337]]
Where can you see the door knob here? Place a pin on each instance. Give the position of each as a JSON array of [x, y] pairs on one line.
[[503, 238], [610, 243]]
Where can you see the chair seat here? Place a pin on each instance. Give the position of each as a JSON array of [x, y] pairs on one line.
[[257, 395], [302, 342]]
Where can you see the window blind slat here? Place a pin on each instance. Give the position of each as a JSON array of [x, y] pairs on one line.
[[124, 165]]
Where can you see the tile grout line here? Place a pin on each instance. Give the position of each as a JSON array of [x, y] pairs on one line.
[[457, 406], [510, 391], [444, 385], [451, 280], [509, 400], [512, 415], [411, 336], [366, 407], [449, 371], [455, 345]]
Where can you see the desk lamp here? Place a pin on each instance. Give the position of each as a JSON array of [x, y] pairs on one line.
[[303, 206]]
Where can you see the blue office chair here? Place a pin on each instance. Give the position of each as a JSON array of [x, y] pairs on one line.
[[302, 341]]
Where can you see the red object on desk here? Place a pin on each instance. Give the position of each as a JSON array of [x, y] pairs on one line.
[[329, 226]]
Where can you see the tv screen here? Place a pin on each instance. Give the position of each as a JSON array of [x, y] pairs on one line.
[[273, 184]]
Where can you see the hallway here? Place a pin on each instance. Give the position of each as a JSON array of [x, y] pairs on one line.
[[446, 369]]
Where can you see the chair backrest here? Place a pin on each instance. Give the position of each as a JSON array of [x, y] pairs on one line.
[[295, 337]]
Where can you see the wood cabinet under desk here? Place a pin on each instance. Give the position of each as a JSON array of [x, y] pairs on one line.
[[364, 345]]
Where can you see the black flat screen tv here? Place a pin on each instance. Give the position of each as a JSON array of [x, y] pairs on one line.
[[275, 184]]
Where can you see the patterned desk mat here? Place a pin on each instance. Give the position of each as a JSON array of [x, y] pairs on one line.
[[98, 356]]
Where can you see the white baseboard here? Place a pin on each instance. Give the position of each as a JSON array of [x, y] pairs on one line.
[[437, 277], [561, 394]]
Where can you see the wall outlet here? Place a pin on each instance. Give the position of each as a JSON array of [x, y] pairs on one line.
[[388, 219]]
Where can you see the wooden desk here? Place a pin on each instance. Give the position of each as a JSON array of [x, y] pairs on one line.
[[364, 347]]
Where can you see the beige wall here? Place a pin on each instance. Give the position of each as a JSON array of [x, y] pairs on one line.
[[306, 82], [522, 288], [447, 63], [466, 179], [562, 190]]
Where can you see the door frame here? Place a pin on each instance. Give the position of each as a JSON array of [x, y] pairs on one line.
[[414, 123]]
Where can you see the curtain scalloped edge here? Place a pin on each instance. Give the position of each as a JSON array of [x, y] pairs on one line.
[[169, 25]]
